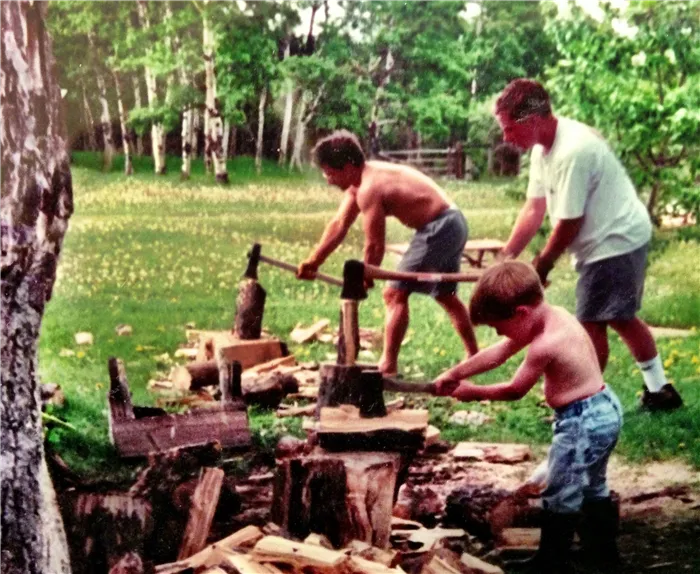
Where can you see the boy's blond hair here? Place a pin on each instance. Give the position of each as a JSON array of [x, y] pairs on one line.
[[501, 289]]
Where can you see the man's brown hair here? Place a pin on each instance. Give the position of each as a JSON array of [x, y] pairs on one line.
[[522, 98], [501, 289], [339, 149]]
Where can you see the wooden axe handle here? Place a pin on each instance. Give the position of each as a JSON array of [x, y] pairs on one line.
[[397, 386], [374, 272], [293, 269]]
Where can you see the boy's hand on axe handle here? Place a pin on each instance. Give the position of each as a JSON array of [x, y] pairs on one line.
[[307, 269], [445, 385]]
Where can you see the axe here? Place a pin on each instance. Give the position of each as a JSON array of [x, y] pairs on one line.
[[254, 257]]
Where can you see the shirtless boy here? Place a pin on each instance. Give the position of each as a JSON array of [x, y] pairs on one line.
[[379, 189], [588, 416]]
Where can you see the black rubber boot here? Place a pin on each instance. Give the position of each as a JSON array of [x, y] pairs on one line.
[[598, 530], [667, 399], [554, 553]]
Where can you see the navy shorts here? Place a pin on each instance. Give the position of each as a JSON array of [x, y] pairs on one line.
[[436, 247], [611, 289]]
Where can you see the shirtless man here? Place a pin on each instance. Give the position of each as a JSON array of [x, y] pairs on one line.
[[377, 190], [509, 297]]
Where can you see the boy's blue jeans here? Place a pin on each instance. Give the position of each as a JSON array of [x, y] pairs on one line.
[[585, 433]]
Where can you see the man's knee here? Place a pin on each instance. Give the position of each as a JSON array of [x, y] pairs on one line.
[[393, 296]]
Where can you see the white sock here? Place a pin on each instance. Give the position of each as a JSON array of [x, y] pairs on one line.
[[653, 374]]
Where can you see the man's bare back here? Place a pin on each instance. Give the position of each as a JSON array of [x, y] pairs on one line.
[[572, 371], [402, 191]]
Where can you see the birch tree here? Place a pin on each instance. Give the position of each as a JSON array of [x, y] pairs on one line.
[[37, 202], [126, 135], [213, 123], [105, 117], [157, 140]]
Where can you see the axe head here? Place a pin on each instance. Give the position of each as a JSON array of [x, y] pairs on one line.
[[251, 271], [354, 280]]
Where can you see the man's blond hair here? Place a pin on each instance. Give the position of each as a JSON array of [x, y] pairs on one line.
[[501, 289]]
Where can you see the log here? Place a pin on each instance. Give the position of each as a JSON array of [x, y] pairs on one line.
[[119, 396], [344, 496], [250, 306], [300, 556], [229, 380], [268, 390], [204, 501], [344, 429], [469, 507], [247, 352], [102, 528], [506, 453], [351, 385]]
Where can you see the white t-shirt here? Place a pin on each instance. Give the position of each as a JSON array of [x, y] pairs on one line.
[[581, 176]]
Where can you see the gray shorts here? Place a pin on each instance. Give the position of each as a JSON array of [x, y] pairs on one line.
[[435, 248], [611, 289]]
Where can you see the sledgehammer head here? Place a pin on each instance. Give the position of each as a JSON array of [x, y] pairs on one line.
[[353, 280], [251, 271]]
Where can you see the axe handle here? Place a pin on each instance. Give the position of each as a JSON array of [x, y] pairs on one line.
[[293, 269], [374, 272], [397, 386]]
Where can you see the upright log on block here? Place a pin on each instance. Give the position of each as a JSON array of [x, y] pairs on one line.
[[353, 292], [250, 303], [229, 379], [203, 506], [351, 385], [344, 496]]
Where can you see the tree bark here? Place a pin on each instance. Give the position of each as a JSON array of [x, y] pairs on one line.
[[126, 136], [138, 103], [288, 105], [214, 128], [261, 127], [304, 117], [37, 201], [152, 93]]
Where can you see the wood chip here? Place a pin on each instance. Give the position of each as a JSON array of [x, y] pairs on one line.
[[302, 335]]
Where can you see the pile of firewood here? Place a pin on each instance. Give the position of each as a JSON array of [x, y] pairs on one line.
[[266, 550]]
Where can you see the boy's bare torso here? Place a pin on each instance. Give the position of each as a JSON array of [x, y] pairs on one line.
[[572, 372], [403, 192]]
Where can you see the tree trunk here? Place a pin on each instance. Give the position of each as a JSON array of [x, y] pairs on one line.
[[226, 138], [152, 93], [261, 127], [89, 120], [37, 203], [138, 103], [196, 126], [214, 133], [105, 117], [126, 136], [288, 105], [300, 133]]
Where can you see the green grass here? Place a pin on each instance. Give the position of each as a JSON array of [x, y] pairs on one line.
[[158, 253]]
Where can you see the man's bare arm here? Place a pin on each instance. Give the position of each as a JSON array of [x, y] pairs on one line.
[[374, 223], [563, 234], [526, 225], [332, 237], [485, 360]]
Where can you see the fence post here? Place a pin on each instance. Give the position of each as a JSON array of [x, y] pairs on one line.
[[459, 161]]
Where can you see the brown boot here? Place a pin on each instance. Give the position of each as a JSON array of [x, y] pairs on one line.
[[666, 399]]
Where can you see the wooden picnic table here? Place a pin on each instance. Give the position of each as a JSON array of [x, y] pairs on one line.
[[474, 250]]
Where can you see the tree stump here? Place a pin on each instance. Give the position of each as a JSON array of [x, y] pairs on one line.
[[250, 305], [344, 496], [351, 385]]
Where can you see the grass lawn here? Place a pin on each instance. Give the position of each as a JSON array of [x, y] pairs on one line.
[[156, 253]]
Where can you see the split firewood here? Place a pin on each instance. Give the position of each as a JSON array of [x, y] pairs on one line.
[[492, 452], [437, 565], [318, 540], [247, 352], [272, 365], [268, 390], [520, 538], [395, 405], [478, 566], [296, 411], [189, 353], [364, 550], [298, 555], [204, 501], [426, 539], [130, 563], [302, 335], [398, 524]]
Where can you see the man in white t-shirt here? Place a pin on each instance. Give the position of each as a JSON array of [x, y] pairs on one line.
[[595, 215]]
